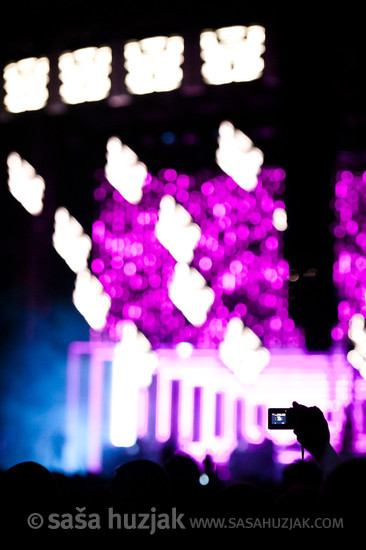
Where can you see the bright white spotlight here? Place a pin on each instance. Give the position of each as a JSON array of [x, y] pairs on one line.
[[237, 156], [124, 170], [184, 349], [232, 54], [90, 300], [242, 352], [70, 241], [25, 184], [133, 366], [84, 74], [280, 219], [175, 230], [356, 359], [357, 334], [189, 293], [356, 331], [154, 64], [25, 83]]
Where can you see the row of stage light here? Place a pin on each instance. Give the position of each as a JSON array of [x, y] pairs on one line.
[[154, 64]]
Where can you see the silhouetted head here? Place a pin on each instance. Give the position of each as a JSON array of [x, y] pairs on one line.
[[345, 487], [243, 498], [27, 488], [140, 483], [183, 471], [297, 500]]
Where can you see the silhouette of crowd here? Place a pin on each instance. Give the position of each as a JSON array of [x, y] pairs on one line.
[[176, 489]]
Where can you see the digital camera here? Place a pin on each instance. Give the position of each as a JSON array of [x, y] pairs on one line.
[[281, 419]]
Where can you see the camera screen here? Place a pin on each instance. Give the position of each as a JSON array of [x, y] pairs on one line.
[[279, 418]]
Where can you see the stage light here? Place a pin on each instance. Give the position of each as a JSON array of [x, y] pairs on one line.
[[168, 138], [357, 334], [175, 230], [280, 219], [90, 299], [204, 479], [25, 184], [228, 283], [205, 263], [232, 54], [25, 83], [184, 349], [237, 156], [190, 294], [84, 74], [356, 329], [242, 352], [70, 241], [154, 64], [133, 366], [124, 170]]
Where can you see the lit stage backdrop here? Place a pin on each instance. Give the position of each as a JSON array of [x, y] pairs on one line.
[[191, 254], [196, 341], [183, 281], [195, 401]]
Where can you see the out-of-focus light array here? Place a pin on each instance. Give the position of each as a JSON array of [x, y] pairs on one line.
[[25, 184], [154, 64], [349, 269], [84, 74], [70, 241], [237, 156], [232, 54], [25, 84], [237, 261], [190, 294], [90, 299], [175, 230], [124, 170], [74, 246]]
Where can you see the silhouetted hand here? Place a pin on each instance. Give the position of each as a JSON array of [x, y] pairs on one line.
[[311, 429]]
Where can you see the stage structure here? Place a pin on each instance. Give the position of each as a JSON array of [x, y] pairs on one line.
[[197, 403], [185, 289], [183, 281], [197, 342]]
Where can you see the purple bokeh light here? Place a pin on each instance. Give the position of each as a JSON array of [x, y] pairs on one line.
[[239, 254], [349, 230]]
